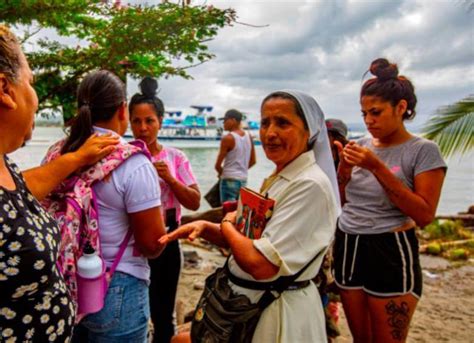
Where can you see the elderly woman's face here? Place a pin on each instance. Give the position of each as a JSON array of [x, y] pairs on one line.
[[21, 105], [282, 132]]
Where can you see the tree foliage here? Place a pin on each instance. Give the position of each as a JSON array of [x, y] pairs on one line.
[[162, 40], [453, 127]]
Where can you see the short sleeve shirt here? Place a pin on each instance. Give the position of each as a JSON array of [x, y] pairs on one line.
[[368, 210], [180, 169], [133, 187]]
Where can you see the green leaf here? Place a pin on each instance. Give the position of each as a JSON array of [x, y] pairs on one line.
[[133, 40], [452, 128]]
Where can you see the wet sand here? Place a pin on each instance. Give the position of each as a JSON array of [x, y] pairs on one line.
[[445, 312]]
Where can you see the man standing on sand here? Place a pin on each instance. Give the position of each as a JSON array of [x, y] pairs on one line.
[[238, 154]]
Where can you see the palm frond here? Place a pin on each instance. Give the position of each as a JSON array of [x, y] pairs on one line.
[[453, 127]]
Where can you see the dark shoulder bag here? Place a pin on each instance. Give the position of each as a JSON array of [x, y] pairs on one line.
[[222, 316], [213, 196]]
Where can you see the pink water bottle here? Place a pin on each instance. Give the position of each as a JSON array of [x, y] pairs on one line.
[[91, 281]]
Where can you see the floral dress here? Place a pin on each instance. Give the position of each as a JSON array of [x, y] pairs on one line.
[[35, 305]]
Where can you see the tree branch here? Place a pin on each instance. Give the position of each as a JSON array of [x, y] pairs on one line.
[[29, 34], [191, 65], [251, 25]]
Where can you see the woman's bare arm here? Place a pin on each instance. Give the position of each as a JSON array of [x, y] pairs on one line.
[[148, 228], [420, 203], [44, 179]]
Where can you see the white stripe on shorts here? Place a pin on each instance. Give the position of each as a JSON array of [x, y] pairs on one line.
[[410, 261], [354, 257], [344, 260], [402, 254]]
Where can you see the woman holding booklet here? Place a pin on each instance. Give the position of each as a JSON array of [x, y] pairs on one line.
[[304, 188]]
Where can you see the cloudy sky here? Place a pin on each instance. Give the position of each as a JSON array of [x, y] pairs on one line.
[[324, 48]]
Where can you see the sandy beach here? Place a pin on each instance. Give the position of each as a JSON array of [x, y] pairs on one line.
[[445, 312]]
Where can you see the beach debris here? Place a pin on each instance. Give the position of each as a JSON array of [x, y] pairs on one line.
[[433, 248], [191, 259], [458, 254], [430, 274], [466, 217], [448, 239]]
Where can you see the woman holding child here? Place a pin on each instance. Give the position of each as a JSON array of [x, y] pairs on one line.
[[303, 185], [389, 182]]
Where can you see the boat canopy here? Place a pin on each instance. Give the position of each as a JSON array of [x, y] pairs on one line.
[[171, 123], [253, 125], [202, 108], [194, 121]]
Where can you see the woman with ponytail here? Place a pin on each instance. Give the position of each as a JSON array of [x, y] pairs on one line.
[[126, 207], [389, 183], [178, 188]]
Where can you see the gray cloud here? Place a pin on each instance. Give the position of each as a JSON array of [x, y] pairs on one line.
[[324, 48]]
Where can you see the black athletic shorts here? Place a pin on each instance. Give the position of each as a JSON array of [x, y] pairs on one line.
[[383, 265]]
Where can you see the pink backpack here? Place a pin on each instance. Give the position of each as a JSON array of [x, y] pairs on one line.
[[73, 205]]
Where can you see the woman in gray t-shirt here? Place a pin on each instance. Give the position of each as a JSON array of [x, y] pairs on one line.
[[389, 183]]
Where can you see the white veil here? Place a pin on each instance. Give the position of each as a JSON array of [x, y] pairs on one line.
[[318, 137]]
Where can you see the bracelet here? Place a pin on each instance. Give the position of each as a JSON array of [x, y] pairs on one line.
[[226, 221]]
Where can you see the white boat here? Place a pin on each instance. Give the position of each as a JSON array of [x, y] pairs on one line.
[[195, 130]]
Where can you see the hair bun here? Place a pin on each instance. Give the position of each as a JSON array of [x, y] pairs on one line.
[[383, 69], [148, 86]]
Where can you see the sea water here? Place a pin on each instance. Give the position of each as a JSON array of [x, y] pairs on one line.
[[457, 193]]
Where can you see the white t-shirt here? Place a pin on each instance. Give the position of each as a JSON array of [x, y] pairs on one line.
[[133, 187]]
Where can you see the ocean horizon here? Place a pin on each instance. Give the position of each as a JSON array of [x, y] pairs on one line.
[[457, 193]]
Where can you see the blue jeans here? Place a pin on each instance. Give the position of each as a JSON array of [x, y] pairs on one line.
[[230, 188], [124, 317]]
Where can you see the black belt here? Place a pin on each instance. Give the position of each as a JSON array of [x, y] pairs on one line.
[[265, 286]]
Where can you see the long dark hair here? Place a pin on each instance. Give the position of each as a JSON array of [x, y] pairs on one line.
[[148, 87], [99, 96], [389, 86]]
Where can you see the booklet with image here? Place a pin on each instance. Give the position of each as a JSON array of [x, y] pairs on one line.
[[253, 212]]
